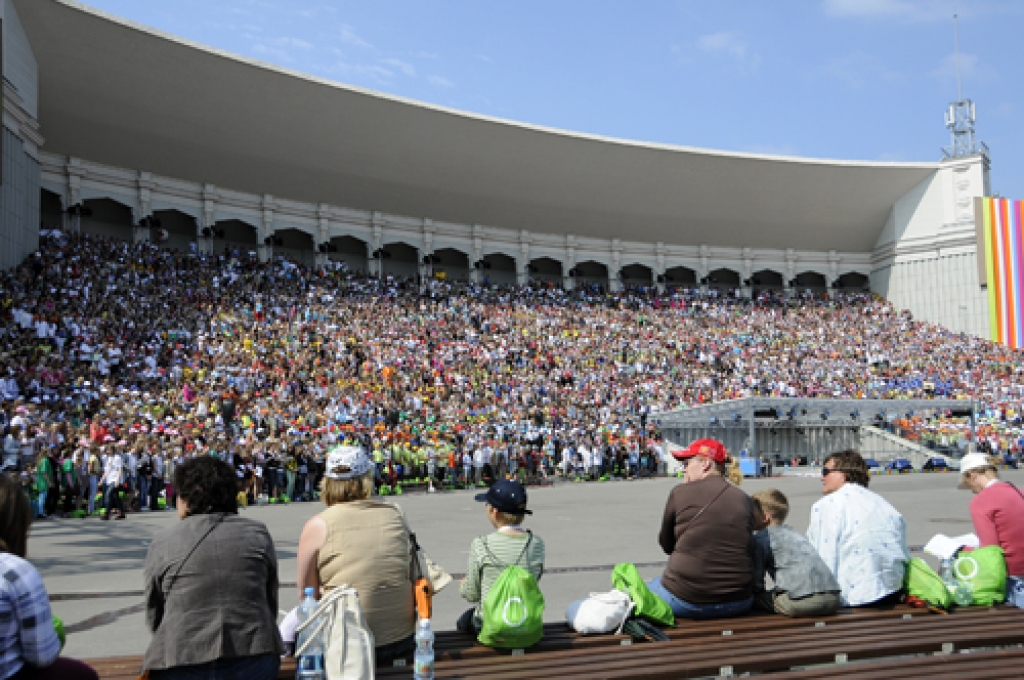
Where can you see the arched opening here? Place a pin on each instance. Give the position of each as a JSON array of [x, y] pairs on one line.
[[351, 251], [173, 229], [237, 235], [498, 269], [724, 280], [812, 281], [450, 264], [400, 259], [50, 211], [767, 279], [853, 282], [592, 275], [637, 276], [546, 270], [680, 277], [295, 245], [107, 218]]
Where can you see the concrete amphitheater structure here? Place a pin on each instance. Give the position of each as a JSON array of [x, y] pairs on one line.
[[115, 128]]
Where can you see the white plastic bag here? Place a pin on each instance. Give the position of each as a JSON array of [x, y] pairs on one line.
[[348, 641], [599, 613]]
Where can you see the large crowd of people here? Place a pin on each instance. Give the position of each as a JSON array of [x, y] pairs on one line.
[[119, 361]]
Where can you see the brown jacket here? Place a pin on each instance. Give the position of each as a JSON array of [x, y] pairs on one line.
[[711, 562]]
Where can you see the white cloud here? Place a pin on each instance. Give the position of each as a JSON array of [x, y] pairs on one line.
[[439, 81], [730, 44], [350, 37], [860, 68], [294, 43], [906, 10], [972, 70], [403, 66]]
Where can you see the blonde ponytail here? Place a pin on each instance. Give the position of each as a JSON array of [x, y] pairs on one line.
[[731, 470]]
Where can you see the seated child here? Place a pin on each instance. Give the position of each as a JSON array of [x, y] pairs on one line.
[[509, 544], [790, 577]]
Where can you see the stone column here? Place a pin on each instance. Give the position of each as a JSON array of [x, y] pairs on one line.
[[570, 262], [207, 222], [323, 227], [266, 230], [659, 266], [833, 272], [704, 269], [790, 270], [377, 243], [477, 256], [523, 261], [747, 271], [614, 279], [426, 268], [75, 171]]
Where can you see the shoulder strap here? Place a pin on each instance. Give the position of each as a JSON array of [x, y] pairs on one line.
[[503, 565], [197, 544], [1014, 487], [706, 506]]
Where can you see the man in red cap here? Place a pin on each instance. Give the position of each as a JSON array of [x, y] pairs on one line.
[[706, 532]]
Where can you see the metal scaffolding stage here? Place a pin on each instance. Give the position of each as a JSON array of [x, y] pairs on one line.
[[767, 427]]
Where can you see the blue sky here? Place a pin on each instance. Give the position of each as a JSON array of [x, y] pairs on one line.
[[853, 79]]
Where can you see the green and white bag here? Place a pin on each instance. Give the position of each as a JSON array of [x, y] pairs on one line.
[[626, 577], [513, 611], [984, 570], [922, 582]]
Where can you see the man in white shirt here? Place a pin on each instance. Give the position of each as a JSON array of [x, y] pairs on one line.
[[859, 535], [113, 477]]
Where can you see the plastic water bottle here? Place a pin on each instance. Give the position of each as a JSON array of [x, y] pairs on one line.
[[310, 665], [962, 592], [423, 660]]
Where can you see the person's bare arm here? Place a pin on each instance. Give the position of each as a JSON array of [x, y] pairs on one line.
[[312, 539]]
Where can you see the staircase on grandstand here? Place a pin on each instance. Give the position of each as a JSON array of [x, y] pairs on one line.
[[779, 430]]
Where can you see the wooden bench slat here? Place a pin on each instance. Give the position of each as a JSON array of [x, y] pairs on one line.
[[960, 665], [757, 652]]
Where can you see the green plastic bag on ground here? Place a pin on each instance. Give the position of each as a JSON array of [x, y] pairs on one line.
[[920, 580], [984, 570], [627, 578], [513, 611]]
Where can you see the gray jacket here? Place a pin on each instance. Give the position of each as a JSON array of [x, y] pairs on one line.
[[224, 600], [784, 560]]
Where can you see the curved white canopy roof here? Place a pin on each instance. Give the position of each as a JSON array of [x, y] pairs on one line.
[[118, 93]]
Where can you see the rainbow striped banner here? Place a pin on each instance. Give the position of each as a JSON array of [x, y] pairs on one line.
[[1000, 221]]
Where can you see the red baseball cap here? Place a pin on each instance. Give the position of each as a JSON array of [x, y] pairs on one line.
[[709, 448]]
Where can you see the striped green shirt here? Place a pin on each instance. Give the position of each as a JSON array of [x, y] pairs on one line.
[[489, 555]]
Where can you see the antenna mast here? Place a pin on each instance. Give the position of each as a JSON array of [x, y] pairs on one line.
[[960, 115]]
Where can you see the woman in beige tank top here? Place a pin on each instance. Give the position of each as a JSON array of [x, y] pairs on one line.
[[364, 544]]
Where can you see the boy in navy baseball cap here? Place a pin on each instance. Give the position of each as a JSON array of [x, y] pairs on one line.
[[509, 544]]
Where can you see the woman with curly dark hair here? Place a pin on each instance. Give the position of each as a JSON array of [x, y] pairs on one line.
[[859, 535], [211, 584]]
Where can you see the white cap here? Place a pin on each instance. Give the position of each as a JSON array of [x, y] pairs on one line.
[[972, 461], [347, 462]]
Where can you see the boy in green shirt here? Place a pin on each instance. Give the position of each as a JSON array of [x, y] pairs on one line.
[[509, 544]]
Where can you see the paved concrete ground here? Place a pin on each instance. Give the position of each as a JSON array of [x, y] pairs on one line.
[[584, 525]]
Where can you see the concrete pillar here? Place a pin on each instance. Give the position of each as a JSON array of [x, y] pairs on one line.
[[614, 279], [523, 261]]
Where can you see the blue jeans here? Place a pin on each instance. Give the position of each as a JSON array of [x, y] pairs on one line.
[[41, 503], [262, 667], [687, 610]]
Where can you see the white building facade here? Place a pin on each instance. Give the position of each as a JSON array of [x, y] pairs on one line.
[[407, 189]]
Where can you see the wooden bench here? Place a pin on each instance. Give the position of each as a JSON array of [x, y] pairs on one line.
[[891, 641]]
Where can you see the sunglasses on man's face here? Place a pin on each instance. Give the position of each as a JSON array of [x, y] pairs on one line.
[[826, 471]]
